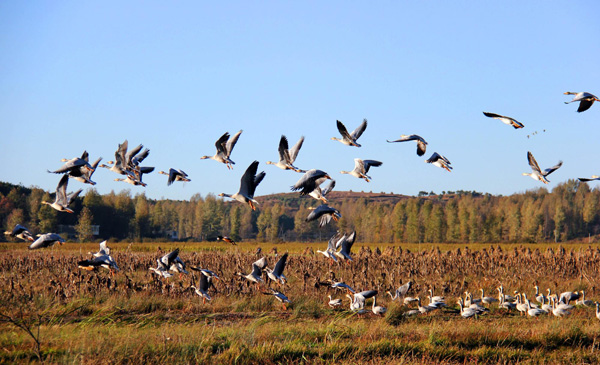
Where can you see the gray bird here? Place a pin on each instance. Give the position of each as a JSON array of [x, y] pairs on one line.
[[349, 139], [224, 148], [248, 184]]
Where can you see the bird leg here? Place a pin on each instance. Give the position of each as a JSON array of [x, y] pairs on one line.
[[284, 308], [251, 205]]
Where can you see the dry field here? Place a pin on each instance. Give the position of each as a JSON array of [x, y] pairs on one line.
[[54, 312]]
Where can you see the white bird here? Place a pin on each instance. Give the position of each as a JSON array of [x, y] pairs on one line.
[[248, 184], [361, 168], [506, 120], [102, 258], [104, 250], [321, 194], [487, 300], [62, 200], [349, 139], [422, 309], [583, 301], [378, 310], [224, 147], [277, 273], [558, 310], [466, 312], [20, 232], [440, 161], [324, 214], [346, 245], [331, 247], [334, 302], [401, 291], [534, 312], [166, 263], [342, 286], [586, 100], [74, 164], [357, 301], [567, 297], [175, 175], [255, 276], [280, 297], [310, 181], [84, 174], [202, 289], [538, 296], [536, 173], [46, 240], [421, 143], [287, 156]]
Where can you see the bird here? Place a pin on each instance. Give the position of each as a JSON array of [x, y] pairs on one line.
[[466, 312], [506, 120], [20, 232], [277, 273], [256, 275], [487, 300], [567, 297], [598, 310], [224, 146], [62, 200], [536, 173], [331, 247], [74, 164], [46, 240], [342, 286], [202, 289], [287, 156], [226, 239], [206, 272], [248, 184], [349, 139], [83, 174], [559, 310], [334, 302], [118, 165], [378, 310], [593, 178], [361, 168], [538, 296], [279, 296], [440, 161], [165, 263], [321, 194], [175, 175], [345, 243], [583, 301], [357, 301], [421, 143], [310, 181], [586, 100], [135, 179], [324, 213], [101, 258], [401, 291]]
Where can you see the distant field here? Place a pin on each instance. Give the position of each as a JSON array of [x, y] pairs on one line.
[[92, 317]]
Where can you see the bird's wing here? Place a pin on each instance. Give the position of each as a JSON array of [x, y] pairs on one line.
[[172, 175], [61, 191], [308, 181], [494, 115], [331, 244], [550, 170], [18, 229], [137, 159], [347, 245], [343, 131], [324, 219], [280, 265], [351, 238], [261, 263], [421, 147], [257, 181], [533, 163], [85, 156], [129, 155], [584, 105], [340, 241], [104, 248], [328, 188], [203, 285], [232, 141], [359, 130], [222, 143], [256, 271], [433, 158], [359, 166], [247, 181], [284, 154], [95, 164], [403, 289], [73, 196], [294, 151], [168, 259], [369, 163]]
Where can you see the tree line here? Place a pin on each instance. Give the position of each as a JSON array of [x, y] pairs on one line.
[[569, 211]]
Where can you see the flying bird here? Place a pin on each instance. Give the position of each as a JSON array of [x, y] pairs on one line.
[[349, 139], [101, 258], [505, 120], [321, 194], [224, 147], [324, 214], [310, 181], [593, 178], [585, 99], [361, 168], [288, 156], [277, 273], [226, 239], [74, 164], [536, 173], [175, 175], [202, 289], [248, 184], [83, 174], [345, 243], [440, 161], [62, 200], [46, 240], [280, 297], [166, 263], [20, 232], [421, 143]]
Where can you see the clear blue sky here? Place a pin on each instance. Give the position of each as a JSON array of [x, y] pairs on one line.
[[175, 76]]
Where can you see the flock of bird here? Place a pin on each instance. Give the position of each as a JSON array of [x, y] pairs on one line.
[[128, 164]]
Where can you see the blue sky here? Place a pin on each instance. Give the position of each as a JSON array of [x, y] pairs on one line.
[[175, 76]]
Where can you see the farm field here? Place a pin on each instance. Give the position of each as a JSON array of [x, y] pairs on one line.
[[134, 316]]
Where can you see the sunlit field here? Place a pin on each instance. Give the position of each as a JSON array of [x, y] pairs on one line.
[[52, 311]]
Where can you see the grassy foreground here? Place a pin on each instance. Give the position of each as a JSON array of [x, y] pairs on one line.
[[89, 317]]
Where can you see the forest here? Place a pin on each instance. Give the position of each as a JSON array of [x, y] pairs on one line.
[[568, 212]]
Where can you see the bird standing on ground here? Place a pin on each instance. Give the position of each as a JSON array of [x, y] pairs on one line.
[[248, 184]]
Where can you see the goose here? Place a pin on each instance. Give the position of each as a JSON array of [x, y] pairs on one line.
[[310, 181], [401, 291], [346, 245], [118, 165], [46, 240], [83, 174], [175, 175], [226, 239], [598, 310], [248, 184], [487, 300], [421, 143], [585, 99], [534, 312], [334, 302], [545, 306], [435, 304], [20, 232], [74, 164], [136, 179], [331, 247], [361, 168], [62, 200], [255, 276], [321, 194], [280, 297], [166, 263], [206, 272], [506, 120], [583, 301], [526, 300], [376, 309], [436, 298], [357, 301], [507, 297], [342, 286], [134, 157], [99, 260], [559, 311], [178, 266], [202, 289], [593, 178], [277, 273], [503, 303], [567, 297], [423, 310], [324, 214], [538, 296], [440, 161], [224, 147], [288, 156], [466, 312], [349, 139], [536, 173]]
